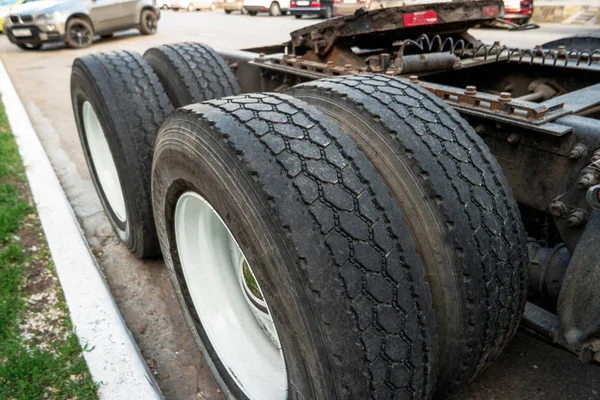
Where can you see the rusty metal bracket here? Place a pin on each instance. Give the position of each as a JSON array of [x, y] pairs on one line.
[[388, 24], [503, 108]]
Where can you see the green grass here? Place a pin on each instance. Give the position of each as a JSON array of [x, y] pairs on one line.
[[34, 364]]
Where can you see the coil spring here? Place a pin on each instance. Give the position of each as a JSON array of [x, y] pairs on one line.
[[463, 49]]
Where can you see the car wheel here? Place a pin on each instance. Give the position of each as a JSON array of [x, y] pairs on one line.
[[244, 11], [79, 33], [29, 46], [262, 191], [252, 13], [119, 104], [457, 203], [227, 11], [148, 22], [328, 13], [192, 73], [274, 9], [297, 16], [164, 7]]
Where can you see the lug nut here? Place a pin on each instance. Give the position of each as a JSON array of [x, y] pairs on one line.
[[513, 138], [576, 218], [330, 64], [588, 179], [413, 79], [587, 354], [471, 90], [505, 96], [578, 151], [558, 208]]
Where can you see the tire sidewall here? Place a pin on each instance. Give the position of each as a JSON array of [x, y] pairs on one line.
[[178, 94], [79, 88]]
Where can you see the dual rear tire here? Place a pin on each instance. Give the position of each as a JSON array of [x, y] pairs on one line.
[[119, 84], [359, 205]]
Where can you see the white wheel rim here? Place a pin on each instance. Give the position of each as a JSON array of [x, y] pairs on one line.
[[104, 165], [244, 337]]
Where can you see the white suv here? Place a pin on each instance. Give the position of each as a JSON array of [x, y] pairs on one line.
[[273, 7]]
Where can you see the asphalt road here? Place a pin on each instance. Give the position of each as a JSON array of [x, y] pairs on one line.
[[528, 369]]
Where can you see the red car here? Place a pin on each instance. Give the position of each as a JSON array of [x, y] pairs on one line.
[[518, 11]]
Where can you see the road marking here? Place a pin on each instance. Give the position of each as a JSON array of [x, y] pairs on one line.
[[115, 361]]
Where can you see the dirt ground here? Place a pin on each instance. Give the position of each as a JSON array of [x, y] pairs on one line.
[[529, 369]]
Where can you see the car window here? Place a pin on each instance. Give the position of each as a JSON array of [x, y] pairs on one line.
[[8, 2]]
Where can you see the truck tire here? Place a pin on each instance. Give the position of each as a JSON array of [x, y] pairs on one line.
[[456, 202], [326, 243], [119, 104], [192, 73]]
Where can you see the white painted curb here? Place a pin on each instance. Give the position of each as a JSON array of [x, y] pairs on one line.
[[115, 361]]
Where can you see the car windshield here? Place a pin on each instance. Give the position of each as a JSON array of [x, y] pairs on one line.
[[8, 2]]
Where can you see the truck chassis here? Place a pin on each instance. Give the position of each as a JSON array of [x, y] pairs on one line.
[[536, 110]]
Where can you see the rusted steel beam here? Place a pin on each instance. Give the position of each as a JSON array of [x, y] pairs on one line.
[[381, 26]]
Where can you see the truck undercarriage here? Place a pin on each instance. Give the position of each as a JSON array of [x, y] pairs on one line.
[[491, 154]]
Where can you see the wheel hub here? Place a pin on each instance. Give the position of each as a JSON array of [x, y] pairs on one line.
[[103, 161], [228, 300]]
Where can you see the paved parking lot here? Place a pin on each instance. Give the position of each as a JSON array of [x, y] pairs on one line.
[[529, 369]]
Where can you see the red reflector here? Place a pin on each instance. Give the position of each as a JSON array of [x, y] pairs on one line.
[[428, 17], [491, 11], [315, 4], [292, 4]]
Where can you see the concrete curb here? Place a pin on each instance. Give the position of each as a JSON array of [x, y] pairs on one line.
[[115, 360]]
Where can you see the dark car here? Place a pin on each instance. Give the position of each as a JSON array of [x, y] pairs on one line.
[[322, 8]]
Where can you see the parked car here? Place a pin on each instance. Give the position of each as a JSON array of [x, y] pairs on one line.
[[234, 5], [273, 7], [193, 5], [5, 8], [322, 8], [344, 7], [518, 11], [76, 22]]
